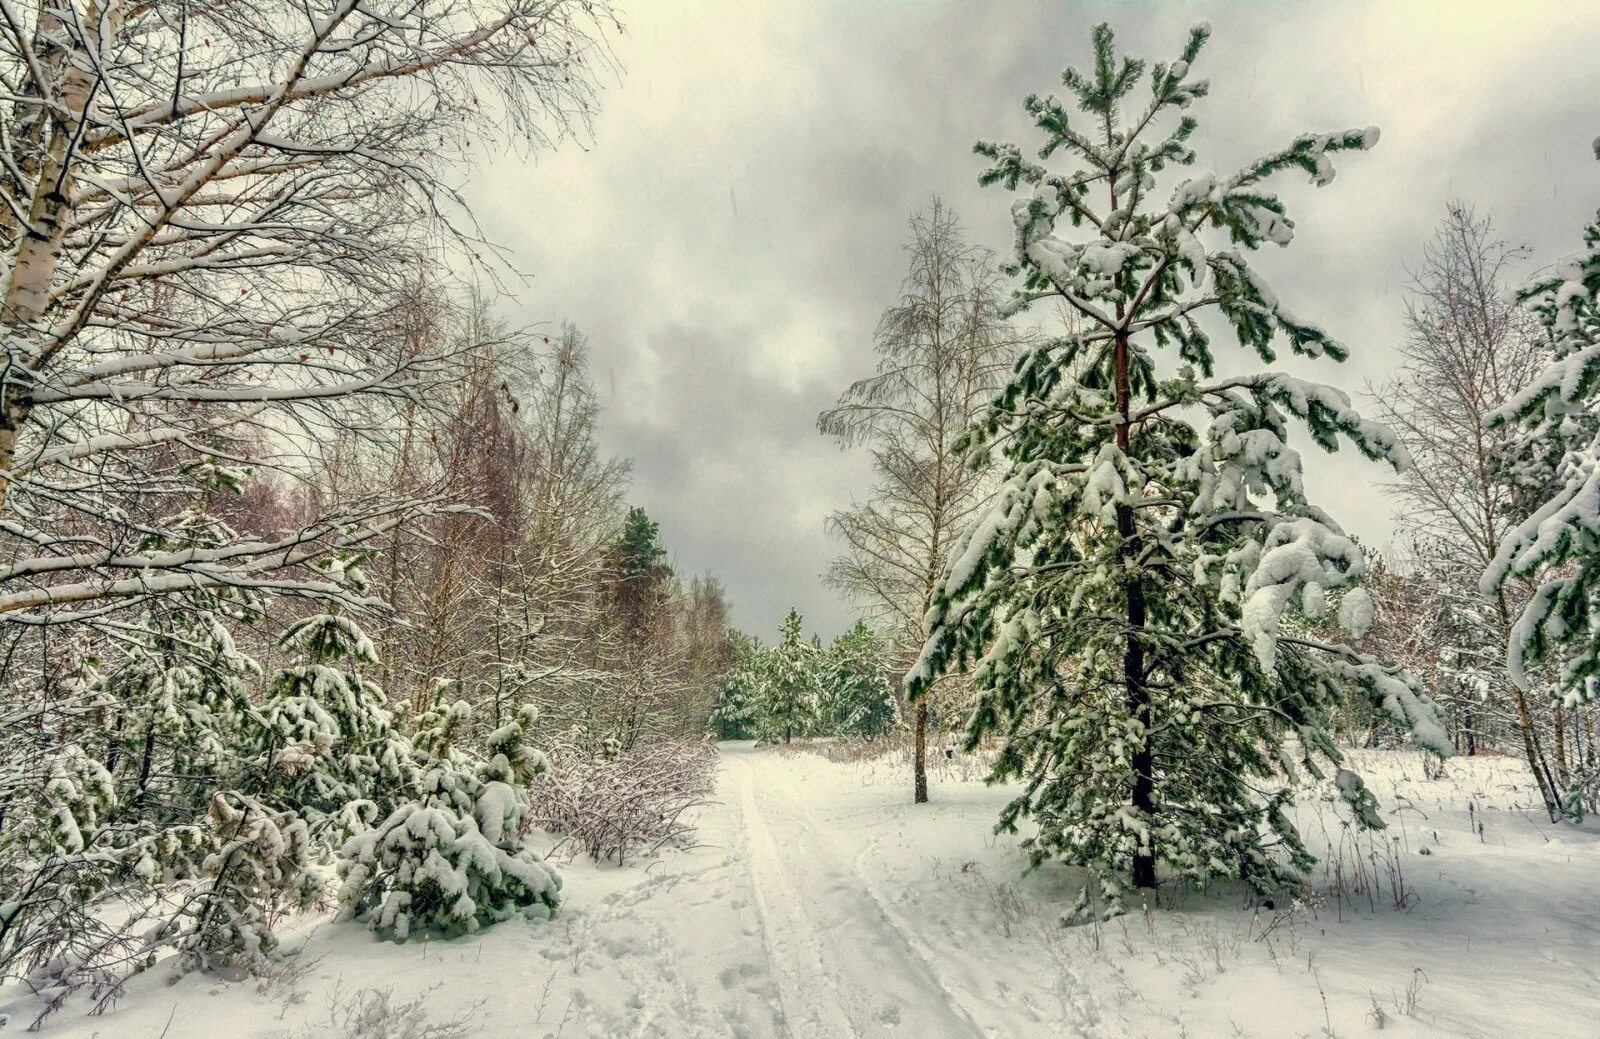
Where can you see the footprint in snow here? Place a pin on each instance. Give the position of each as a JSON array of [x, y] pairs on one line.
[[731, 976]]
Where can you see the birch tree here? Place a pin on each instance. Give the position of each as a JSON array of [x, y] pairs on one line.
[[208, 211], [1468, 350], [942, 354]]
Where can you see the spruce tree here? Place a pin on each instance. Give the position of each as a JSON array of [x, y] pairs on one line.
[[790, 687], [1120, 602], [735, 715], [860, 699]]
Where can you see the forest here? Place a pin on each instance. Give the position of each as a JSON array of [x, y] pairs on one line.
[[1163, 660]]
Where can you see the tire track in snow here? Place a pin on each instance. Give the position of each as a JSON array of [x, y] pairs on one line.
[[1083, 1014], [787, 934], [842, 966]]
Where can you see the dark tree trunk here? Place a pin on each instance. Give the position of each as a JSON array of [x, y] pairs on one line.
[[919, 764], [1138, 693], [146, 765]]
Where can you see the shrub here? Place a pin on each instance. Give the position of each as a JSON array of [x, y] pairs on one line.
[[617, 805]]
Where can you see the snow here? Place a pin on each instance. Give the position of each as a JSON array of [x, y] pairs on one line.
[[820, 904]]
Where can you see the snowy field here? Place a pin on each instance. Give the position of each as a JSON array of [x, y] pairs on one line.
[[820, 905]]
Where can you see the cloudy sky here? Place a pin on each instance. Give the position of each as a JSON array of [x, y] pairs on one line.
[[731, 233]]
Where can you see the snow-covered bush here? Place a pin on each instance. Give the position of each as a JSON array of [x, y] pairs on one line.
[[613, 807], [52, 872], [261, 866], [452, 859]]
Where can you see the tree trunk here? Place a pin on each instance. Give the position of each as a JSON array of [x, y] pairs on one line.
[[26, 289], [1530, 746], [1138, 693], [146, 766], [1530, 739], [1558, 717], [919, 755]]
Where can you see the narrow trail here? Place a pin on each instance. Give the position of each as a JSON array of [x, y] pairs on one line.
[[841, 965]]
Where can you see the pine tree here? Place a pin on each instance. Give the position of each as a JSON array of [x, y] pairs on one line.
[[1121, 600], [643, 621], [328, 746], [735, 715], [177, 683], [181, 709], [452, 859], [790, 687], [860, 700], [261, 866], [1556, 462], [1561, 413]]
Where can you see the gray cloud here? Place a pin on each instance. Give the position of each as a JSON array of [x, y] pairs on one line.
[[731, 234]]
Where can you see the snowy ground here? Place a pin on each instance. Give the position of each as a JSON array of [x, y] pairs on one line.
[[823, 906]]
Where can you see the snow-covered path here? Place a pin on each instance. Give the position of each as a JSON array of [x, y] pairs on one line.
[[842, 966], [822, 905]]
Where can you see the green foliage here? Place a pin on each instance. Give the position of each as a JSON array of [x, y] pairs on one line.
[[1557, 548], [858, 695], [261, 866], [451, 858], [1119, 605], [325, 740], [799, 688], [638, 550], [735, 715], [791, 686]]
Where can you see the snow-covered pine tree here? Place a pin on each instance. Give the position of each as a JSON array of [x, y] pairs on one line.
[[181, 707], [261, 866], [860, 699], [52, 866], [734, 716], [328, 745], [452, 859], [1120, 601], [1561, 410], [790, 689], [1557, 548], [175, 684], [125, 811]]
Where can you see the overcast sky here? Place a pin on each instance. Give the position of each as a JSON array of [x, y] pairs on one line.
[[731, 233]]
